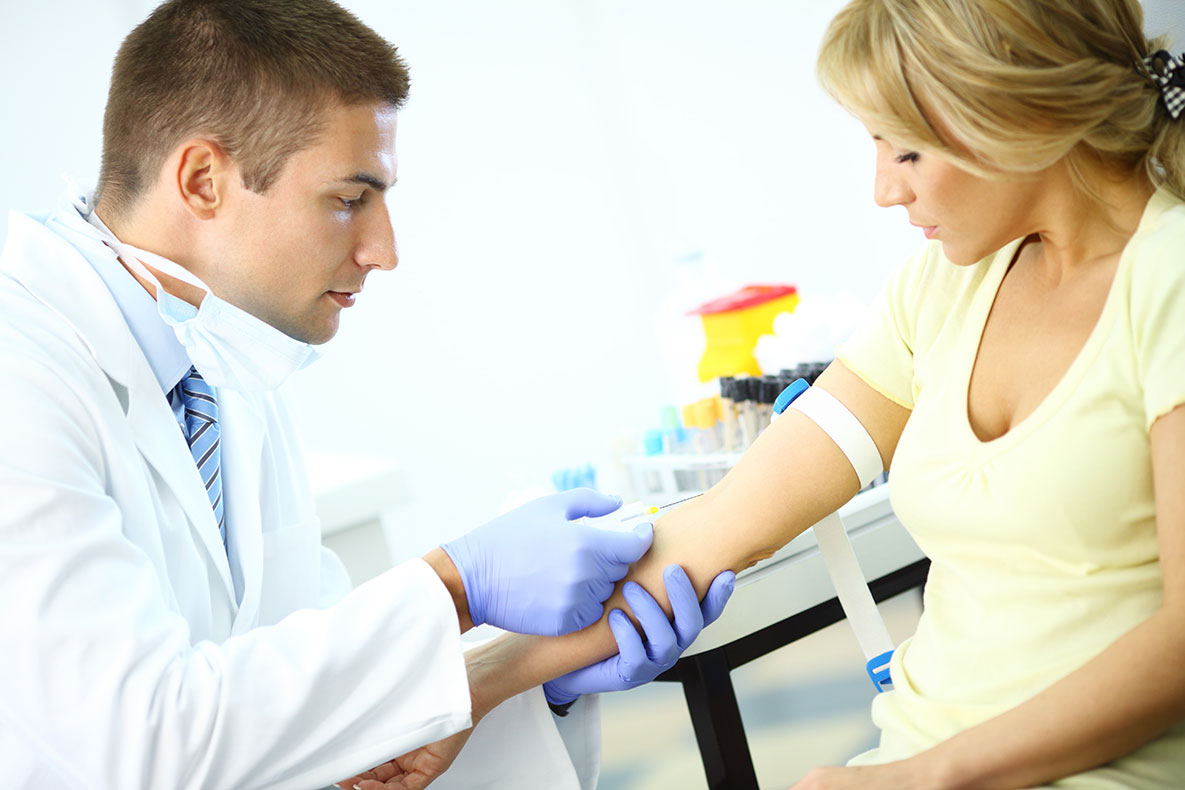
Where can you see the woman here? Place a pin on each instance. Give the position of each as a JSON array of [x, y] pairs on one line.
[[1039, 342], [1023, 374]]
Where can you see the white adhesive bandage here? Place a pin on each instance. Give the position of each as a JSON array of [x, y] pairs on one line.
[[825, 410], [851, 588]]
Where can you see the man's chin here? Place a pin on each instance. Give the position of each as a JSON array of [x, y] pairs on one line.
[[313, 333], [323, 334]]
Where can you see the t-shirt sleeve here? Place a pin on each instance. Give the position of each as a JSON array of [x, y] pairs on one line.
[[1158, 318], [881, 350]]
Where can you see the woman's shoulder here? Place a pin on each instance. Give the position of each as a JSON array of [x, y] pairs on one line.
[[1152, 282], [1157, 250], [932, 279], [929, 296], [1162, 228]]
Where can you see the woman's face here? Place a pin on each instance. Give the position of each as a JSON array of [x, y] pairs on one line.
[[972, 216]]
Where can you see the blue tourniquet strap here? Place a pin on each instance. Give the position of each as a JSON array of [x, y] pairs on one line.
[[878, 670]]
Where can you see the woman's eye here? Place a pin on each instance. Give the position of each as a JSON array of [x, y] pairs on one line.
[[912, 156]]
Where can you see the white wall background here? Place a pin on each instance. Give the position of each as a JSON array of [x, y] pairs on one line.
[[556, 158]]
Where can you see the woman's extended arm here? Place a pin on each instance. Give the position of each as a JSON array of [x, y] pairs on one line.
[[790, 478]]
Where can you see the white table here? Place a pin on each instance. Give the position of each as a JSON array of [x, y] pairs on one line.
[[795, 578], [356, 497]]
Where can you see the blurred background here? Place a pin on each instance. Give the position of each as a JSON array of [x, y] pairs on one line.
[[574, 176]]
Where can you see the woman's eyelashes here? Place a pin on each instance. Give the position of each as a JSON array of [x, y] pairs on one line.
[[911, 156]]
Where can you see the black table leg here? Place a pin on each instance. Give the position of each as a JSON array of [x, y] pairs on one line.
[[707, 685], [716, 718]]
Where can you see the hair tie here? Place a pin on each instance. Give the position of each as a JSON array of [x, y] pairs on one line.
[[1169, 75]]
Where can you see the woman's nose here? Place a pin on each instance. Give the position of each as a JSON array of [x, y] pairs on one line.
[[889, 187]]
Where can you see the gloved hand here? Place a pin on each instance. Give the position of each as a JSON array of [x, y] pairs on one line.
[[532, 572], [636, 663]]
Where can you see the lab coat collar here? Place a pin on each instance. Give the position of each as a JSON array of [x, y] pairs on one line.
[[50, 259], [71, 293], [165, 354]]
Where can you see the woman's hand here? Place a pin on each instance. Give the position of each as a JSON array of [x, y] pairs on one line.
[[901, 775], [413, 771]]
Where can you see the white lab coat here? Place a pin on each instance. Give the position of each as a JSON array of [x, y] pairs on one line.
[[127, 661]]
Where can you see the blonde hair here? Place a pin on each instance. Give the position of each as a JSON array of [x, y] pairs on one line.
[[1008, 87]]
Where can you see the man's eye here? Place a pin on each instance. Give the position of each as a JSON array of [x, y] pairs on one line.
[[912, 156], [350, 203]]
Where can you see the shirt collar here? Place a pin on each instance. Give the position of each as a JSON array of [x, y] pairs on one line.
[[164, 352]]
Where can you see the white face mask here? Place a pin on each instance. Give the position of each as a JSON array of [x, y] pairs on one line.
[[230, 347]]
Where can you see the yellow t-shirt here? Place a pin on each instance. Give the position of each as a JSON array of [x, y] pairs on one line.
[[1042, 541]]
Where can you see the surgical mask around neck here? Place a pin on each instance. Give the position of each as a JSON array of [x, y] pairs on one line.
[[230, 347]]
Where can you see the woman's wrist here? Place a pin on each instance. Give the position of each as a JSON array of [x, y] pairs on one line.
[[504, 667], [439, 561], [487, 678], [933, 770]]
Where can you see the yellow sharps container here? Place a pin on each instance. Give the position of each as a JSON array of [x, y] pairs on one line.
[[733, 323]]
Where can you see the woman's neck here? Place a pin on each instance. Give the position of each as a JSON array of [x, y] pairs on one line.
[[1078, 231]]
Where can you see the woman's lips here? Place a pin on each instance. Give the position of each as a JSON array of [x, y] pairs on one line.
[[929, 230]]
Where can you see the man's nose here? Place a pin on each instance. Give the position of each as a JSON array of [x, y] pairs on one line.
[[377, 249]]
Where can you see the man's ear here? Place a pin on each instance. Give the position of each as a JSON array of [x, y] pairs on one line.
[[203, 176]]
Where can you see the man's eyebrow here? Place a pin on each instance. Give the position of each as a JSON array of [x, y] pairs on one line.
[[366, 179]]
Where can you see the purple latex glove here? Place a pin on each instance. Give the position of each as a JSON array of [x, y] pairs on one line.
[[533, 572], [637, 663]]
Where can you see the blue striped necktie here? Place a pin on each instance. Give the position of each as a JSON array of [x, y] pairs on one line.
[[204, 435]]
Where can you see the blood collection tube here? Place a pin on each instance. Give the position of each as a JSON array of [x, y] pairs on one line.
[[747, 409], [728, 415]]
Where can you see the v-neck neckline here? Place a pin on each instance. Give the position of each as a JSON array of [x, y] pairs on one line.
[[1082, 360], [1003, 262]]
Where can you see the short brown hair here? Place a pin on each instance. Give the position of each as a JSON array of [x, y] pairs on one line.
[[255, 76]]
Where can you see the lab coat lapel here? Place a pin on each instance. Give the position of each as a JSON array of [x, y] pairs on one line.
[[163, 446], [53, 265], [242, 464]]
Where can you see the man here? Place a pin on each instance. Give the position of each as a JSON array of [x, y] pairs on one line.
[[170, 618]]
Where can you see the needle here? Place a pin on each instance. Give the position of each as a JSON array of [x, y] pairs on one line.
[[650, 511]]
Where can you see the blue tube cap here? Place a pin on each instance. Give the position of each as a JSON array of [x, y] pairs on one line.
[[783, 401]]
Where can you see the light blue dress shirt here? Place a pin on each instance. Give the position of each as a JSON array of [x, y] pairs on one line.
[[164, 352]]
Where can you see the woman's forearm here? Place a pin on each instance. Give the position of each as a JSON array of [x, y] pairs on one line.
[[1118, 701], [790, 478]]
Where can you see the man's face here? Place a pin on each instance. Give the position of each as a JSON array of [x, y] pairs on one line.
[[298, 254]]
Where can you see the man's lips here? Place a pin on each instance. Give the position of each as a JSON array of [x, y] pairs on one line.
[[343, 298], [929, 230]]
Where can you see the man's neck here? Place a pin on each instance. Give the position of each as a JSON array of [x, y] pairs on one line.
[[179, 288]]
